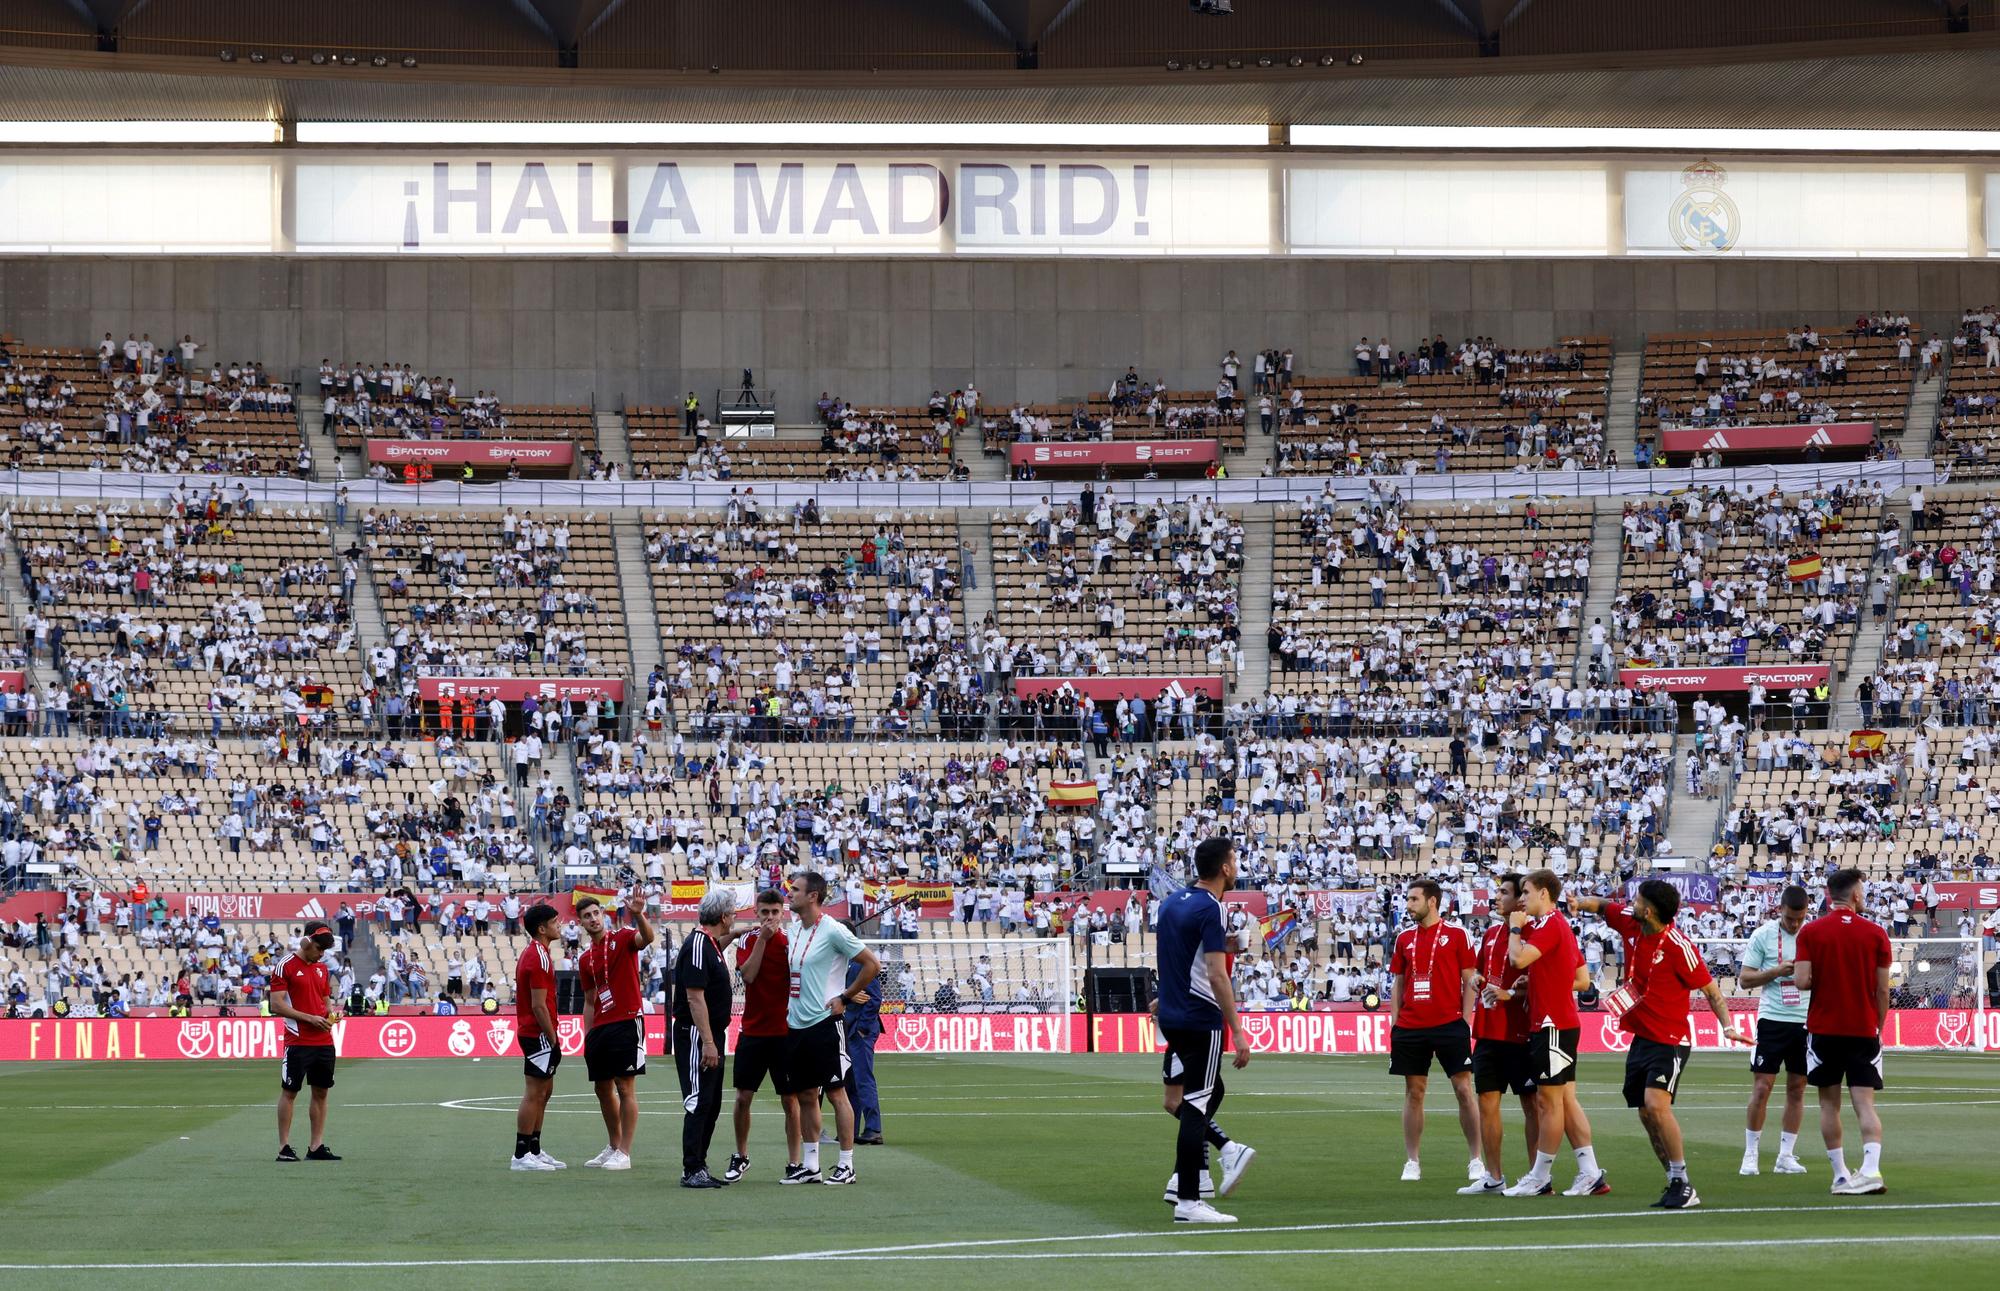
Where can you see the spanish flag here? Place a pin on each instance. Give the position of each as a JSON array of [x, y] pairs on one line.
[[1805, 567], [1865, 744], [1278, 927], [687, 889], [606, 897], [1073, 793]]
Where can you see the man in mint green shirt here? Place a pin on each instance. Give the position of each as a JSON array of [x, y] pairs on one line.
[[820, 948], [1781, 1030]]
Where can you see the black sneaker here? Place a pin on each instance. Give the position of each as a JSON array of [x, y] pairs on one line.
[[868, 1140], [799, 1174], [842, 1174], [285, 1153], [1680, 1195], [738, 1167], [321, 1153], [701, 1179]]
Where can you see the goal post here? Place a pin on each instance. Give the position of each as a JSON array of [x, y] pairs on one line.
[[1940, 990], [977, 994]]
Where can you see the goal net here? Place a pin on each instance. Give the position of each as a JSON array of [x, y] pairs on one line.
[[1939, 990], [977, 994]]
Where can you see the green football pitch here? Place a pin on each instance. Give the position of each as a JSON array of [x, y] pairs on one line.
[[998, 1172]]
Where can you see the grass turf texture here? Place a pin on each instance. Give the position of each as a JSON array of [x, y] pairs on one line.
[[992, 1164]]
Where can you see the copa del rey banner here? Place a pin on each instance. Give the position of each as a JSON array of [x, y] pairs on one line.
[[479, 1036]]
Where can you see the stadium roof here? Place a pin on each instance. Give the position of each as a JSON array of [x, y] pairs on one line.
[[1779, 63]]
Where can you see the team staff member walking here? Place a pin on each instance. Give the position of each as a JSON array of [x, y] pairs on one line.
[[1664, 967], [863, 1021], [1781, 1032], [1196, 1007], [541, 1049], [614, 1040], [300, 995], [1431, 997], [701, 1023], [760, 1044], [1843, 960]]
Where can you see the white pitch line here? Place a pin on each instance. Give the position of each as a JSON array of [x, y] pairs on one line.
[[811, 1256], [1346, 1226]]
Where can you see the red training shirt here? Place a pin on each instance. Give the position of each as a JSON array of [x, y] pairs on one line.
[[307, 986], [1661, 968], [766, 999], [1431, 963], [1845, 950], [609, 972], [534, 975], [1552, 978], [1506, 1022]]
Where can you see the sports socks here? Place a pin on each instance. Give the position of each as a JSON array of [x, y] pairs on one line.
[[1788, 1144], [1545, 1165], [1677, 1170], [1586, 1160], [847, 1159], [1839, 1158], [524, 1145], [811, 1151], [1751, 1140], [1871, 1158]]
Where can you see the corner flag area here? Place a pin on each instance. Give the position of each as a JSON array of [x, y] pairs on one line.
[[997, 1172]]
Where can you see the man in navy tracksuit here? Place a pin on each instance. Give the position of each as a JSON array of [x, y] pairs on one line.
[[864, 1023]]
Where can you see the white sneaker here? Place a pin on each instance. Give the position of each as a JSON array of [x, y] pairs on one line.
[[597, 1162], [1199, 1212], [1236, 1158], [618, 1161], [1483, 1187], [1412, 1171], [529, 1162], [1173, 1192], [1589, 1185], [1475, 1170], [1858, 1184], [1529, 1186], [551, 1162], [1749, 1165], [1789, 1165]]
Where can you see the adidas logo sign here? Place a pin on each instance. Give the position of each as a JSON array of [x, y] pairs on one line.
[[1819, 437], [312, 910], [1717, 440]]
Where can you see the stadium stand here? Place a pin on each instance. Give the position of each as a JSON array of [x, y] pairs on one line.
[[906, 443], [1937, 662], [1778, 377]]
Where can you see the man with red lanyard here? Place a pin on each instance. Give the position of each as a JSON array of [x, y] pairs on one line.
[[760, 1045], [1662, 968], [1431, 998], [614, 1033], [1843, 960], [300, 995], [1500, 1061]]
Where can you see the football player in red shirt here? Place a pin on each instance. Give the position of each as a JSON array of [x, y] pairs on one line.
[[300, 994], [541, 1046], [1431, 997], [762, 962], [614, 1030], [1662, 966], [1541, 941], [1500, 1031], [1843, 958]]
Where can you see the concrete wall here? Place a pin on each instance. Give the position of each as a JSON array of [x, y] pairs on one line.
[[547, 330]]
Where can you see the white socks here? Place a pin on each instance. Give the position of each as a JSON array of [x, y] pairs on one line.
[[847, 1159], [1839, 1158], [1751, 1140], [1586, 1161], [1871, 1158], [811, 1151], [1788, 1145], [1677, 1170], [1545, 1165]]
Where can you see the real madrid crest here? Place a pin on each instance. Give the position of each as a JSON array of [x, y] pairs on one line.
[[1703, 219]]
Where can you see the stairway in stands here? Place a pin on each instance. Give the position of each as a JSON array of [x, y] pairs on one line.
[[1621, 428], [642, 618], [1259, 543], [329, 463], [1691, 821], [1607, 542], [1865, 655], [1921, 422], [614, 443]]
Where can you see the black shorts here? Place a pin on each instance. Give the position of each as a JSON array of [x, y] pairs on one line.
[[1856, 1059], [1652, 1065], [615, 1049], [307, 1064], [1552, 1056], [758, 1056], [1779, 1045], [1411, 1049], [1500, 1065], [1194, 1062], [540, 1056], [815, 1058]]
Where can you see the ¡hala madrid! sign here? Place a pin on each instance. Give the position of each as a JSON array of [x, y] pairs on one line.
[[868, 203]]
